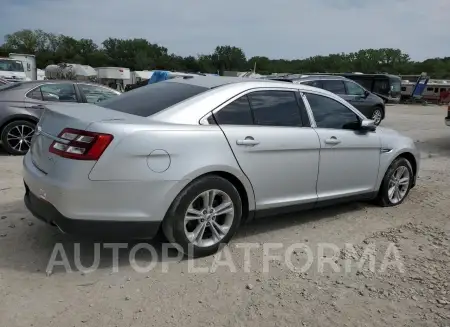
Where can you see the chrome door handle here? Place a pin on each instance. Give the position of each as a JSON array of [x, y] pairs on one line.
[[38, 106], [332, 140], [249, 141]]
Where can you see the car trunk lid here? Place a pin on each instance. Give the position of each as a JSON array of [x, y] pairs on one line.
[[57, 117]]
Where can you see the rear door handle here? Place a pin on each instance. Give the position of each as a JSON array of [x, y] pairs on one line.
[[248, 141], [332, 140], [38, 106]]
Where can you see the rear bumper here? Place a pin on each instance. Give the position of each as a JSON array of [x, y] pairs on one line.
[[131, 209], [47, 213]]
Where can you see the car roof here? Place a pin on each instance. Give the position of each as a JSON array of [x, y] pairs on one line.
[[211, 82], [315, 77]]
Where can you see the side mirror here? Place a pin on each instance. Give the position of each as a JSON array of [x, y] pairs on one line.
[[366, 93], [368, 125]]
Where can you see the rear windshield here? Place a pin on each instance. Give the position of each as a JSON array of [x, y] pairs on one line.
[[148, 100]]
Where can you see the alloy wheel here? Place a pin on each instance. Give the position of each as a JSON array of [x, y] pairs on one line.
[[209, 218], [376, 116], [399, 184], [19, 138]]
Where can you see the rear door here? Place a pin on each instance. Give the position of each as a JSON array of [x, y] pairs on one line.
[[269, 134], [349, 158]]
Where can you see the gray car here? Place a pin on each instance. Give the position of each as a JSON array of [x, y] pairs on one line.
[[198, 156], [371, 105], [22, 103]]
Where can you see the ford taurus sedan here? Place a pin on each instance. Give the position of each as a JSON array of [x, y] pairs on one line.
[[199, 156], [21, 104]]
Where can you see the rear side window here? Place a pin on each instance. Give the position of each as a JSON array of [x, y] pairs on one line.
[[334, 86], [275, 108], [314, 83], [151, 99], [237, 112]]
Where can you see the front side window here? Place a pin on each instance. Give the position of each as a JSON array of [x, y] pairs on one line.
[[329, 113], [95, 94], [58, 92], [10, 65], [334, 86], [275, 108], [365, 82], [237, 112], [396, 84], [354, 89]]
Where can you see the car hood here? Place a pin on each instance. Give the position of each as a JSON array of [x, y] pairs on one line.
[[388, 131]]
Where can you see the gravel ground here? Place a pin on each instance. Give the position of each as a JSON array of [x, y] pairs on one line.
[[407, 285]]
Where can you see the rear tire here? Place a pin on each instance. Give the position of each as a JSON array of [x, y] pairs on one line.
[[198, 228], [397, 183], [16, 136]]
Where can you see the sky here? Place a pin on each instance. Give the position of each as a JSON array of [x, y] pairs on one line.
[[287, 29]]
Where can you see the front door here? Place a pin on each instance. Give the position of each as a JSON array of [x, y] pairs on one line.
[[349, 158], [279, 155]]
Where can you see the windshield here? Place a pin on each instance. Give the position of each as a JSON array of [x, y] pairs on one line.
[[9, 65], [396, 84], [148, 100]]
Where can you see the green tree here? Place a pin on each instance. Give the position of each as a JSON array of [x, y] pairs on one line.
[[140, 54]]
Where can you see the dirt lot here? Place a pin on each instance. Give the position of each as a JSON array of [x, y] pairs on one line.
[[415, 293]]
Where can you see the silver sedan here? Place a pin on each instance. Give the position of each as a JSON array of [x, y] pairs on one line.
[[198, 156]]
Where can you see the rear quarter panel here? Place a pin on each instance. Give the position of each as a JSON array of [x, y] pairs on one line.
[[193, 151]]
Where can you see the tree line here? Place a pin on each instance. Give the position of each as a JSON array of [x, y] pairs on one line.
[[140, 54]]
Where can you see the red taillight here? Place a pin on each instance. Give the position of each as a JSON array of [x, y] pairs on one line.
[[81, 145]]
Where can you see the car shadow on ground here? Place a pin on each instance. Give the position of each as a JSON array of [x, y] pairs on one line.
[[435, 147], [30, 244]]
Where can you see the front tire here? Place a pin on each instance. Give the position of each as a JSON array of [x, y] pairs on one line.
[[16, 136], [397, 183], [377, 115], [204, 216]]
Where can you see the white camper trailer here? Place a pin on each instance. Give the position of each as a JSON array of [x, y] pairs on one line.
[[140, 75], [114, 77], [70, 72], [40, 74], [29, 64]]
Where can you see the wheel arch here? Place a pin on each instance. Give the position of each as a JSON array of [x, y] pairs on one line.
[[382, 108], [10, 119], [239, 181], [412, 160]]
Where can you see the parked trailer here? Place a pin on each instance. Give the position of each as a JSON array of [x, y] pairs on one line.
[[114, 77], [29, 64], [436, 90]]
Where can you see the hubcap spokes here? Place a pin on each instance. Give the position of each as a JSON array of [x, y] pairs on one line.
[[376, 117], [19, 137], [398, 184], [208, 218]]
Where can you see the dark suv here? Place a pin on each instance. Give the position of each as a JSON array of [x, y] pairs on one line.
[[369, 104]]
